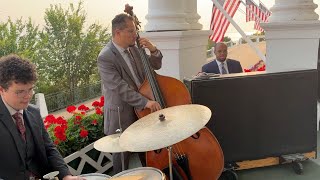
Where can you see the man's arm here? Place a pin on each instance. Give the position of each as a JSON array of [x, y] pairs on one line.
[[156, 55], [54, 157], [156, 59], [113, 82], [240, 67]]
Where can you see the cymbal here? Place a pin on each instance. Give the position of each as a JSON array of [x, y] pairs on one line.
[[149, 133], [109, 144]]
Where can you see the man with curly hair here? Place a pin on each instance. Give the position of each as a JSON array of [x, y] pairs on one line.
[[27, 151]]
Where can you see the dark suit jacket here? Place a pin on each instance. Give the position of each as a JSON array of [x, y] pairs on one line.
[[120, 88], [12, 165], [212, 67]]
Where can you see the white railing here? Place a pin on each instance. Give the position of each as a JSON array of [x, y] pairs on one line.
[[101, 165]]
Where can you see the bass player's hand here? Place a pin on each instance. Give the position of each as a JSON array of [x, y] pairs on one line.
[[153, 106]]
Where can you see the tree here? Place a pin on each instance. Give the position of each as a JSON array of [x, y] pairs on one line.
[[19, 37], [226, 39], [68, 57], [64, 51]]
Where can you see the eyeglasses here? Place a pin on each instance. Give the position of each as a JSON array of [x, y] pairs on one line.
[[24, 93], [130, 31]]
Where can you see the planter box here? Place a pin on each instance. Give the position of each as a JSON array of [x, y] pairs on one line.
[[88, 160]]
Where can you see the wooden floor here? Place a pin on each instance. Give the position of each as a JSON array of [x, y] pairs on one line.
[[311, 171]]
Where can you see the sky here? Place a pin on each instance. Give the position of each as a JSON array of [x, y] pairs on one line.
[[103, 11]]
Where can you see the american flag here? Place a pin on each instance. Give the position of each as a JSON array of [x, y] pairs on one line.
[[257, 26], [219, 23], [263, 15], [252, 11]]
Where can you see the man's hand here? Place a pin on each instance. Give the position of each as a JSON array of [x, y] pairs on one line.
[[69, 177], [145, 43], [153, 106]]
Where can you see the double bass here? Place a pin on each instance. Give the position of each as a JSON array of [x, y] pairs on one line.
[[197, 157]]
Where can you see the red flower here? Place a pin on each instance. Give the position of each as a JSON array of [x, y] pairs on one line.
[[98, 111], [83, 108], [96, 103], [60, 120], [60, 132], [50, 119], [247, 70], [71, 109], [65, 132], [94, 122], [83, 133], [101, 101], [263, 68], [77, 120], [56, 142]]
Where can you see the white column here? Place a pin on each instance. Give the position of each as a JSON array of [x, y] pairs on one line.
[[293, 10], [166, 15], [173, 26], [292, 36], [184, 52], [192, 14]]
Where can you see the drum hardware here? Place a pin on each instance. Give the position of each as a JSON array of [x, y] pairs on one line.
[[120, 132], [170, 161], [110, 143], [51, 175]]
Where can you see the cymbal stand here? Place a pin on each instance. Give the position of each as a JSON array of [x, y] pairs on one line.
[[120, 132], [170, 161], [163, 118]]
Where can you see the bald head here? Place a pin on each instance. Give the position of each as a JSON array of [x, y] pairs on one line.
[[221, 51]]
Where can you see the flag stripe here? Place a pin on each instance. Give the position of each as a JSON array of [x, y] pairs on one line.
[[261, 12], [251, 10], [219, 23], [230, 8]]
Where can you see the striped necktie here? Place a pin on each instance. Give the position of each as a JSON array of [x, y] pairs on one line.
[[134, 68], [19, 123], [223, 69]]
